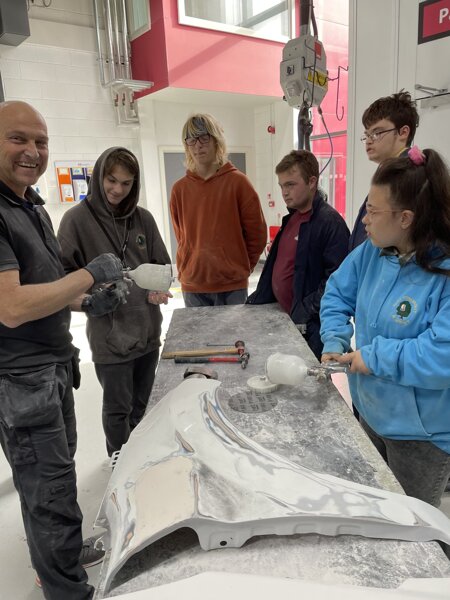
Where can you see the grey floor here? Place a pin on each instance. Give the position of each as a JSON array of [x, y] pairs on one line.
[[17, 576]]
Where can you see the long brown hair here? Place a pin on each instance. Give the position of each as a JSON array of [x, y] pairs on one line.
[[425, 190]]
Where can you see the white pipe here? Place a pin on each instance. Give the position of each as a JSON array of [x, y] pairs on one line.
[[116, 40], [125, 41], [109, 40], [117, 54], [99, 44]]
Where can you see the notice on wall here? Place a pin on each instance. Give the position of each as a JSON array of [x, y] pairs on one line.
[[73, 179], [434, 20]]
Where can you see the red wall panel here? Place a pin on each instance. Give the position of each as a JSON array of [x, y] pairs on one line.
[[148, 52], [188, 57], [191, 57]]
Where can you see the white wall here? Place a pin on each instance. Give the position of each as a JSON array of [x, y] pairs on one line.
[[56, 71], [75, 12], [384, 57], [270, 149]]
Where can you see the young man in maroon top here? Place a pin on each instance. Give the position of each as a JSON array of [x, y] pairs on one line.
[[311, 244]]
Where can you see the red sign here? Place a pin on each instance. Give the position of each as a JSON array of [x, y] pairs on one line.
[[434, 20], [318, 49]]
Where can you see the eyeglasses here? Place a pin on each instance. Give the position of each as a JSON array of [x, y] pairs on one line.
[[373, 211], [376, 135], [203, 139]]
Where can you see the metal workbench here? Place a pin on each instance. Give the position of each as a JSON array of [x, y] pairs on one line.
[[310, 425]]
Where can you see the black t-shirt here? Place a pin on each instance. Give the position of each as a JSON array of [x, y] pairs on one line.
[[28, 244]]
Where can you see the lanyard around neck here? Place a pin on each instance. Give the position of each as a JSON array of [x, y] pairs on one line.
[[119, 251]]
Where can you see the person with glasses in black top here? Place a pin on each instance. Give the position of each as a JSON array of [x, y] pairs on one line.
[[390, 125]]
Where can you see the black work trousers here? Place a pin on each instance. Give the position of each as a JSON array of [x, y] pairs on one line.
[[126, 390], [421, 468], [38, 436]]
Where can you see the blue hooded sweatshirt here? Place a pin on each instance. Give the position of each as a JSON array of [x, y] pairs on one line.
[[402, 316]]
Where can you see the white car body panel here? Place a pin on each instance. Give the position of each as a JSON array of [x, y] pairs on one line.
[[186, 465]]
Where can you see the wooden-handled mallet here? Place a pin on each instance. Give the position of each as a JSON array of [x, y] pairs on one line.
[[239, 348]]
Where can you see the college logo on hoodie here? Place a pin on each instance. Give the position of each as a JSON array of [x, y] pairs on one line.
[[140, 240], [404, 309]]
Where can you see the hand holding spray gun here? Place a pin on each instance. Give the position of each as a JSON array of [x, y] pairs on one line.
[[110, 288], [155, 278], [289, 369]]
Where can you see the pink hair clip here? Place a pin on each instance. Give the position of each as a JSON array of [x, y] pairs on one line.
[[416, 155]]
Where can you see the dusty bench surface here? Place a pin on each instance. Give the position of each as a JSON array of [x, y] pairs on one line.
[[310, 425]]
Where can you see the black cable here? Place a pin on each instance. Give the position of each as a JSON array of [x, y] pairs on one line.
[[304, 14], [304, 127], [313, 21], [319, 110]]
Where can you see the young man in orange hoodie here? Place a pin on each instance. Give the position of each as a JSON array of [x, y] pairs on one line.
[[217, 218]]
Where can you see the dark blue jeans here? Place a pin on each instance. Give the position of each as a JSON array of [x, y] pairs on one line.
[[38, 436], [192, 299], [421, 468], [126, 390]]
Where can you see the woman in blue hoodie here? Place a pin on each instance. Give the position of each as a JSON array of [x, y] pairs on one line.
[[397, 287]]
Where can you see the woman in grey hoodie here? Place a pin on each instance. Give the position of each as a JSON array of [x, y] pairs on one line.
[[124, 343]]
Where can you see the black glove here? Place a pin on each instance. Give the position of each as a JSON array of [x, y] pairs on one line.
[[105, 268], [104, 301]]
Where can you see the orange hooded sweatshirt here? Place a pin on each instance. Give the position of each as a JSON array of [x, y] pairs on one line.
[[220, 230]]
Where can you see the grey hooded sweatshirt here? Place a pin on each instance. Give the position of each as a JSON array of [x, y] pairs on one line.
[[134, 328]]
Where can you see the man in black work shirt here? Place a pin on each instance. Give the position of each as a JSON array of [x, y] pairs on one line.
[[37, 417]]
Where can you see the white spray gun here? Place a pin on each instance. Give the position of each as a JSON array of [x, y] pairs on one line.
[[155, 278], [289, 369]]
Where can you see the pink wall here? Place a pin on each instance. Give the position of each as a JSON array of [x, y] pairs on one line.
[[181, 56], [188, 57], [149, 52], [333, 32]]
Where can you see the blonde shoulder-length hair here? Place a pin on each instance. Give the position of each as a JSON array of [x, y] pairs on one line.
[[199, 124]]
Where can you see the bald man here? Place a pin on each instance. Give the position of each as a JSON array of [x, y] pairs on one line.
[[37, 417]]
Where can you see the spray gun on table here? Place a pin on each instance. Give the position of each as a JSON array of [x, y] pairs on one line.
[[289, 369]]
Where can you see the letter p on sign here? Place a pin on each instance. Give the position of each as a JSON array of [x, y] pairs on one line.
[[434, 20]]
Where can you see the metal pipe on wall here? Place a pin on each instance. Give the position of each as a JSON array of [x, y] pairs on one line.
[[116, 39], [125, 41], [117, 54], [109, 39], [101, 58]]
